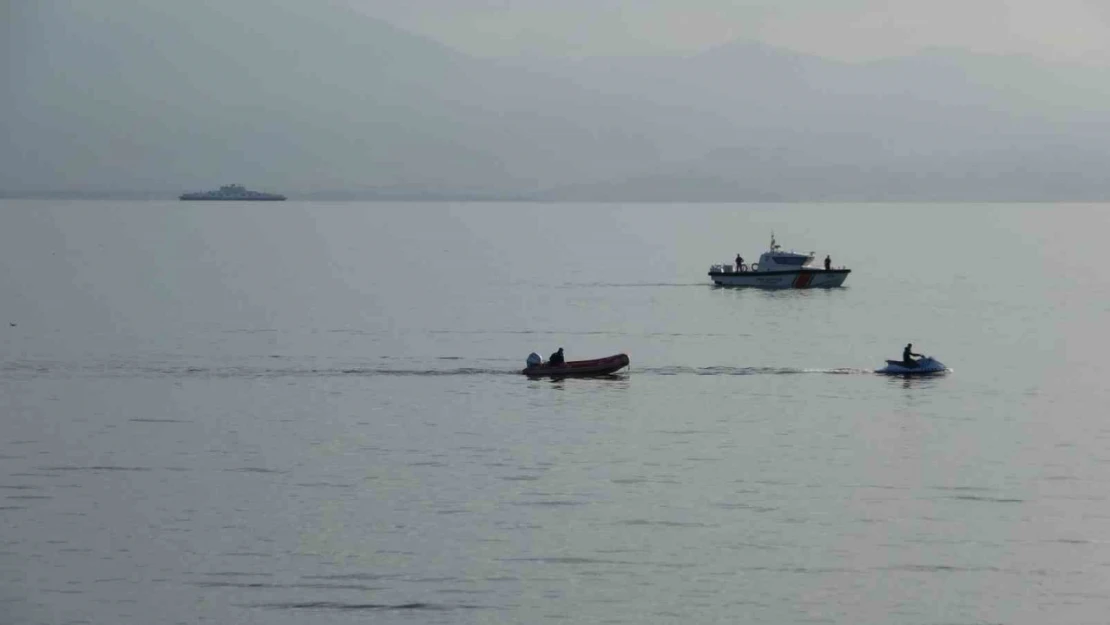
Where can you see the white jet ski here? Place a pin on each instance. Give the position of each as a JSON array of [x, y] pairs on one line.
[[926, 365]]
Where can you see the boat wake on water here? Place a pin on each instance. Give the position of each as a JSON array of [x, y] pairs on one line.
[[651, 371], [611, 285], [117, 369], [147, 370], [444, 366], [748, 371]]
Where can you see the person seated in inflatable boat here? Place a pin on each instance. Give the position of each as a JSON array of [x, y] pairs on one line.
[[556, 359]]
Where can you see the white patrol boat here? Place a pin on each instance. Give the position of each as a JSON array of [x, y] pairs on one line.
[[777, 269]]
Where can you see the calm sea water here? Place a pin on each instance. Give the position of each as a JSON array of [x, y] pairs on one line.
[[311, 413]]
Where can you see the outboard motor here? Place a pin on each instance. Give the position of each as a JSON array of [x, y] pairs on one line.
[[534, 360]]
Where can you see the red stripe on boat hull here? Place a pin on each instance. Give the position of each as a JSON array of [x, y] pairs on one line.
[[803, 280]]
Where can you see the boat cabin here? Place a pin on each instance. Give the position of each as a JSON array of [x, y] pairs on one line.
[[782, 261], [774, 259]]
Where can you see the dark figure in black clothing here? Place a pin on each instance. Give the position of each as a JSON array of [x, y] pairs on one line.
[[828, 263], [907, 357], [556, 359], [739, 262]]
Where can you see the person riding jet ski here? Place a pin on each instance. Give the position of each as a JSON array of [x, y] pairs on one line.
[[907, 357]]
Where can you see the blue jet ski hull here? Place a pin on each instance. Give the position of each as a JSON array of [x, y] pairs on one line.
[[925, 366]]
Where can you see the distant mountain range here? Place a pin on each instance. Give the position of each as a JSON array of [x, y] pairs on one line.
[[316, 101]]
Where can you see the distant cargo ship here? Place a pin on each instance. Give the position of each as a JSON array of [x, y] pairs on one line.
[[234, 193]]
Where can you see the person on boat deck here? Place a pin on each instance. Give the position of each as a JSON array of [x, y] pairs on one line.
[[739, 262], [828, 263], [907, 356], [556, 358]]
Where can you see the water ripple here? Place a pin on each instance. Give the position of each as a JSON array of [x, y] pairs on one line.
[[737, 371], [158, 421], [666, 523], [944, 568], [984, 499], [354, 576], [267, 585], [96, 468], [140, 369], [333, 605], [570, 560]]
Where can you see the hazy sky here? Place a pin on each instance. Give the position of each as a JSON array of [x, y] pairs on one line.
[[1064, 30], [303, 96]]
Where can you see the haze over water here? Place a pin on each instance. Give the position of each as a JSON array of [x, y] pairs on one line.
[[313, 413]]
